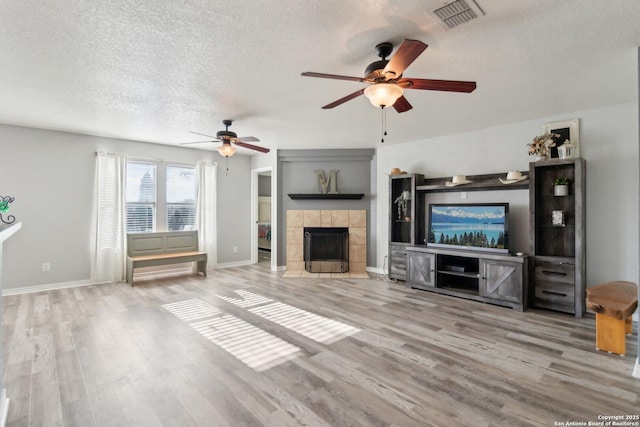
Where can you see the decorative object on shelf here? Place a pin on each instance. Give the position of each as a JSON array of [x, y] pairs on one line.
[[560, 187], [541, 145], [513, 176], [397, 171], [457, 180], [567, 132], [566, 150], [4, 208], [402, 201], [557, 218]]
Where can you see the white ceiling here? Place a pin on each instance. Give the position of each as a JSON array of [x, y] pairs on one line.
[[152, 70]]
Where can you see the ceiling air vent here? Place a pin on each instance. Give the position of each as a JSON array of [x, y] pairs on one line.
[[456, 13]]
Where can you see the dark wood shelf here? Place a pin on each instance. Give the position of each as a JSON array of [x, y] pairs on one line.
[[480, 183], [471, 274], [318, 196]]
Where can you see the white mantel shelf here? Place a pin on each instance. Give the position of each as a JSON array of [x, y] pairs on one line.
[[7, 231]]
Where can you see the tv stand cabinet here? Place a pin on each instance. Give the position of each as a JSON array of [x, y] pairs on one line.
[[488, 277]]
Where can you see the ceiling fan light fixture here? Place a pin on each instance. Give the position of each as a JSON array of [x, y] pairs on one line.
[[383, 95], [226, 149]]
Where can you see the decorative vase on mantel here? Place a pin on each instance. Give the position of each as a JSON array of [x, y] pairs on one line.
[[540, 157]]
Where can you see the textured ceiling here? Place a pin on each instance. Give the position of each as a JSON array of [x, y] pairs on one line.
[[152, 70]]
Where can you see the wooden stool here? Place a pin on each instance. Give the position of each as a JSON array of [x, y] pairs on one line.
[[613, 303]]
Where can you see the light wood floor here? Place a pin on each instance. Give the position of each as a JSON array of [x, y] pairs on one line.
[[191, 351]]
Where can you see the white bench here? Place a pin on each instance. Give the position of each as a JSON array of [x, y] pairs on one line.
[[161, 248]]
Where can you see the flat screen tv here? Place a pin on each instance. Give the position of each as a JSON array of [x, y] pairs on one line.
[[483, 227]]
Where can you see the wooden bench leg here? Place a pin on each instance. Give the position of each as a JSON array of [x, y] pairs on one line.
[[610, 334], [130, 272], [627, 326], [202, 267]]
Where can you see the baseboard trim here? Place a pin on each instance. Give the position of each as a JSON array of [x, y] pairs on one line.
[[375, 270], [636, 369], [234, 264], [47, 287]]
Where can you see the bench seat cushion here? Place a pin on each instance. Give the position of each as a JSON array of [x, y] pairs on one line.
[[616, 299]]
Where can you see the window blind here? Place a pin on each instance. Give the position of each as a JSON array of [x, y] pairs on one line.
[[141, 197], [181, 188]]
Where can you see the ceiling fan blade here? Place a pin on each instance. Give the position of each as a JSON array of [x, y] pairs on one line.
[[247, 139], [408, 51], [251, 146], [197, 142], [402, 105], [442, 85], [343, 100], [204, 134], [332, 76]]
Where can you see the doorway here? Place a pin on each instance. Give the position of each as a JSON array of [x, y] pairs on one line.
[[263, 240]]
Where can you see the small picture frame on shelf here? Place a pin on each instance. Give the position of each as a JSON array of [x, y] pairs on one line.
[[569, 130], [557, 218]]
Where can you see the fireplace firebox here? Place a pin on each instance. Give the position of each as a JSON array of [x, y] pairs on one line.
[[326, 249]]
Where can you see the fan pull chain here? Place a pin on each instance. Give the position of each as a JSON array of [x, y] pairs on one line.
[[384, 123], [226, 160]]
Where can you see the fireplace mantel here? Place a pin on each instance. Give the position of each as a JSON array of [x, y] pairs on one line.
[[319, 196]]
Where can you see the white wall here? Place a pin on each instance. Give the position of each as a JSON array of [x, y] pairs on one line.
[[234, 211], [608, 142], [51, 175]]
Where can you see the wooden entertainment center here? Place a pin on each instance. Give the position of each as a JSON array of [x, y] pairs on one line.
[[550, 276], [499, 279]]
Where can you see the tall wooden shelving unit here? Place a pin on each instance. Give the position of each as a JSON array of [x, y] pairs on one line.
[[404, 228], [558, 250]]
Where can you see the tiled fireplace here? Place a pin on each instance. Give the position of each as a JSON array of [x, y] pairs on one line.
[[354, 220]]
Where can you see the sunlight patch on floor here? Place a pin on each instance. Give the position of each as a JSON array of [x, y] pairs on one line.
[[249, 299], [251, 345], [310, 325], [192, 309]]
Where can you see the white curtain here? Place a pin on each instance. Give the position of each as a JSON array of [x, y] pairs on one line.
[[109, 250], [206, 211]]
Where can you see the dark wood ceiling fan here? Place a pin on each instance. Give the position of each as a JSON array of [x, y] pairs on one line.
[[227, 138], [385, 76]]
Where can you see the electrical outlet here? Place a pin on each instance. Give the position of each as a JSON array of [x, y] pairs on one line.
[[235, 249], [46, 266], [463, 195]]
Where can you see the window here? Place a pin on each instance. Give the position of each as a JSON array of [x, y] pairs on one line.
[[160, 197], [141, 196], [181, 197]]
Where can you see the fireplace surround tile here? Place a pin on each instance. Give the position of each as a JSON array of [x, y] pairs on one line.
[[339, 218], [325, 218], [357, 236], [312, 218], [295, 218], [357, 253], [357, 218], [295, 235]]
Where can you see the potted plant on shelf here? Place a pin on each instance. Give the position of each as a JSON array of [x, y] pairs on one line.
[[560, 186], [402, 202]]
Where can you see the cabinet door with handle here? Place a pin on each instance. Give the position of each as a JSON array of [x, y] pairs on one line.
[[501, 280], [421, 268]]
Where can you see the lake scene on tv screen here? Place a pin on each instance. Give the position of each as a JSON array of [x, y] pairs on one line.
[[475, 226]]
